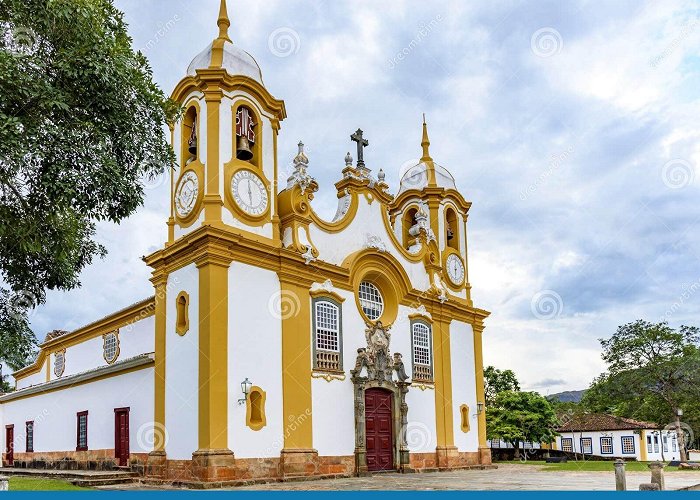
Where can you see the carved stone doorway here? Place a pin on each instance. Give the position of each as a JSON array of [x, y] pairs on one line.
[[381, 412]]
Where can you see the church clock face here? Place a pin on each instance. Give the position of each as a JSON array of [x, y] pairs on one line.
[[249, 192], [186, 194], [455, 269]]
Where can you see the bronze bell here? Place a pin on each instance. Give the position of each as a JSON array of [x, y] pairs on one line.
[[192, 142], [243, 151]]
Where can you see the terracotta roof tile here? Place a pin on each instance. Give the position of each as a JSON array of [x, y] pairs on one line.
[[600, 422]]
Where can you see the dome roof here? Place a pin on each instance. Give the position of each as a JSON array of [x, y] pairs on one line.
[[418, 176], [235, 61]]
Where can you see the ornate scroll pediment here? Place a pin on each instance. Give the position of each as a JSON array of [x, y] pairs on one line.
[[375, 358]]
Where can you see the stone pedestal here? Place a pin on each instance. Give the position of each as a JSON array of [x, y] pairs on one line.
[[447, 456], [485, 456], [298, 463], [157, 465], [657, 474], [213, 465], [620, 479]]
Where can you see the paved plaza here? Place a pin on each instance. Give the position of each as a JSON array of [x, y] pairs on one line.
[[506, 477]]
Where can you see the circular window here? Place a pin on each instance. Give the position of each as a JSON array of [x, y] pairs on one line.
[[371, 300]]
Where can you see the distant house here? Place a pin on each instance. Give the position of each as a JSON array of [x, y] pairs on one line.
[[602, 435]]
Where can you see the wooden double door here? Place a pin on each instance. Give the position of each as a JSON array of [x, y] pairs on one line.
[[379, 429]]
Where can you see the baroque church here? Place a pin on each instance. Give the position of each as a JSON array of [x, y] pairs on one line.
[[277, 344]]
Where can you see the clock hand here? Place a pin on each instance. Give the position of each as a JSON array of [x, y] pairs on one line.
[[250, 194]]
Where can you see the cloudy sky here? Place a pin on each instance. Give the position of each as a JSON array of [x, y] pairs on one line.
[[571, 126]]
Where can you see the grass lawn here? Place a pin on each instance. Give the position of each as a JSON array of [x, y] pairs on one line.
[[38, 484], [588, 465]]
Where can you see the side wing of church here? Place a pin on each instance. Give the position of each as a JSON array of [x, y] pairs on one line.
[[277, 344]]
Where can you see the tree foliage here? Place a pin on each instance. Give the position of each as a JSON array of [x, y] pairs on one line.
[[496, 381], [81, 126], [653, 370], [521, 416]]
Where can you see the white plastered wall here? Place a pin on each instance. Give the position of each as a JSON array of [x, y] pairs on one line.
[[463, 385], [182, 368], [55, 414], [254, 352]]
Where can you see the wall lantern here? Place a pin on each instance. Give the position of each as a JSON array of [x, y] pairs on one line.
[[245, 388], [479, 408]]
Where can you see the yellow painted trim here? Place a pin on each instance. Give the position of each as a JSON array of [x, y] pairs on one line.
[[161, 294], [464, 422], [262, 253], [78, 384], [116, 353], [114, 321], [296, 365], [185, 327], [48, 370], [213, 353], [212, 195], [315, 294], [643, 451], [442, 378], [479, 373], [256, 426], [230, 83], [382, 269], [342, 223]]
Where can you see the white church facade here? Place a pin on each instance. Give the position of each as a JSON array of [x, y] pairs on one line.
[[277, 344]]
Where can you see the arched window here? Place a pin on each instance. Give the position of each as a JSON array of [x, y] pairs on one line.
[[407, 222], [327, 335], [182, 320], [247, 140], [190, 136], [371, 300], [255, 409], [452, 229], [421, 340]]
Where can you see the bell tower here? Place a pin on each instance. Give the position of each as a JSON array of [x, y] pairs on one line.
[[225, 143]]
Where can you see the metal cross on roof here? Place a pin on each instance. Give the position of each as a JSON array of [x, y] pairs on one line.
[[361, 144]]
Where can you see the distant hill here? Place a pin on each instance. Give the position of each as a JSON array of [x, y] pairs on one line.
[[567, 396]]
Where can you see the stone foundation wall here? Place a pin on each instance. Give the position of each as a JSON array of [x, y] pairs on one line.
[[76, 460], [261, 469]]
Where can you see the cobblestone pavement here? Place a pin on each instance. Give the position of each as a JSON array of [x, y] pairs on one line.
[[506, 477]]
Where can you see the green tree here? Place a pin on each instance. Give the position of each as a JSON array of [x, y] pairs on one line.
[[653, 371], [521, 416], [81, 127], [496, 381]]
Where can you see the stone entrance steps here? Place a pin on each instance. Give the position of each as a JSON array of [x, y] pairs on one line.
[[84, 478]]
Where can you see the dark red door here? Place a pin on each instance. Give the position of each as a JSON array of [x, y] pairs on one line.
[[378, 426], [121, 436], [10, 445]]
